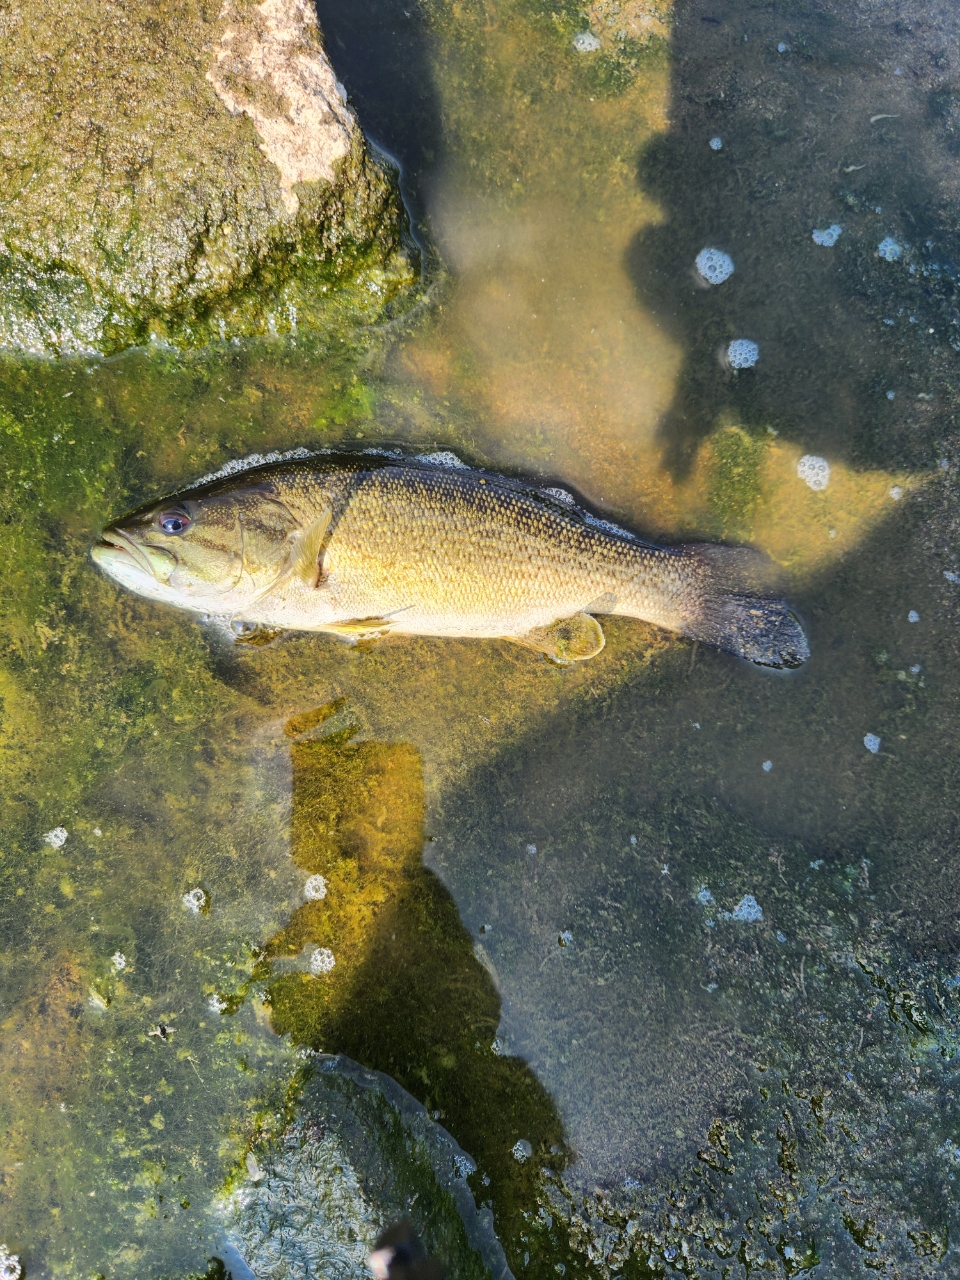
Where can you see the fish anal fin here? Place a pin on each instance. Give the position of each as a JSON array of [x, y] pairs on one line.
[[566, 641], [308, 554], [360, 628]]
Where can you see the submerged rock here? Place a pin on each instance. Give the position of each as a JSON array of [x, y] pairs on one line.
[[182, 172], [360, 1154]]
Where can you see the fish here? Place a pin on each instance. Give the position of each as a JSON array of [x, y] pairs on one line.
[[365, 545]]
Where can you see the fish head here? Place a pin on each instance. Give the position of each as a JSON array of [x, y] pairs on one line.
[[215, 550]]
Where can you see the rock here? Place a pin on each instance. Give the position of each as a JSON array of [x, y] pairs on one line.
[[359, 1154], [270, 67], [176, 170]]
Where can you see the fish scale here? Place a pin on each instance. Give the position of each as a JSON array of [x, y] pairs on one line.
[[465, 558]]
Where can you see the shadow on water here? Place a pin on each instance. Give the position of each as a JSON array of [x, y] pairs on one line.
[[737, 938], [380, 50], [406, 994], [818, 127]]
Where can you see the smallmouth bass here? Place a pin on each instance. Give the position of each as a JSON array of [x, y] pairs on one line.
[[365, 544]]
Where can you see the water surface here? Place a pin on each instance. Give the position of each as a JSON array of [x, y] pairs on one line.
[[546, 933]]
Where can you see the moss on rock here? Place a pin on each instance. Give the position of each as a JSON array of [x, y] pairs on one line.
[[181, 171], [360, 1154]]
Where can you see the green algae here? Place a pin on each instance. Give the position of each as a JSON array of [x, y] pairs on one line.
[[88, 690], [359, 1156], [734, 486]]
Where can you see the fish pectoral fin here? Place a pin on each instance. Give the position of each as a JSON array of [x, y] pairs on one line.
[[254, 633], [603, 604], [360, 628], [308, 554], [566, 641]]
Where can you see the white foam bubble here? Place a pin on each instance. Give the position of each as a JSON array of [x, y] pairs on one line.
[[829, 236], [315, 889], [442, 458], [814, 470], [561, 495], [889, 250], [586, 42], [56, 838], [716, 144], [195, 900], [10, 1268], [322, 961], [872, 743], [714, 265], [747, 910], [252, 460], [742, 353]]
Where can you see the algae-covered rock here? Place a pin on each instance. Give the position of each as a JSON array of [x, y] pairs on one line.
[[182, 170], [360, 1154]]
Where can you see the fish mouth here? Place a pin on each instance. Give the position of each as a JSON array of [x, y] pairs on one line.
[[115, 547], [121, 557]]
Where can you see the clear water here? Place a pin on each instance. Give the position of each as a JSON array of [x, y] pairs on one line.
[[575, 959]]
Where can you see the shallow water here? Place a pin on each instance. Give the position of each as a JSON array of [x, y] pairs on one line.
[[542, 921]]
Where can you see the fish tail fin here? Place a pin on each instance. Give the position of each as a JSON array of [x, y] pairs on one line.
[[734, 608]]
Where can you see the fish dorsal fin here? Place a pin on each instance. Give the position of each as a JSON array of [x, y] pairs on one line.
[[566, 641], [308, 554]]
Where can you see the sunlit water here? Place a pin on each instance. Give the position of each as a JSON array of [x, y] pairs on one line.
[[679, 928]]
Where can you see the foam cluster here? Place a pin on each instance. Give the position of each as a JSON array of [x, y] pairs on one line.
[[828, 237], [322, 961], [815, 471], [742, 353], [889, 250], [315, 888], [195, 900], [714, 265], [10, 1268]]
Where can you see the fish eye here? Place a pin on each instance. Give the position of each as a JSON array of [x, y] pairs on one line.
[[173, 521]]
